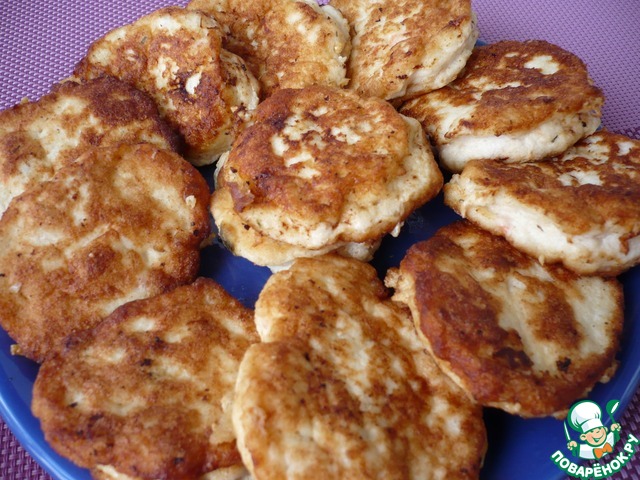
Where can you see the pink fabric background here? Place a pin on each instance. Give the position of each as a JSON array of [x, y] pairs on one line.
[[40, 42]]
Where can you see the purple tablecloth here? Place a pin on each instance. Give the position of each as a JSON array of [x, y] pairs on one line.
[[40, 42]]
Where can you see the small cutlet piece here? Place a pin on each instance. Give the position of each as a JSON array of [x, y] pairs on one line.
[[148, 393], [286, 43], [514, 101], [246, 242], [342, 386], [526, 338], [404, 48], [581, 208], [236, 472], [116, 225], [175, 55], [38, 138], [320, 166]]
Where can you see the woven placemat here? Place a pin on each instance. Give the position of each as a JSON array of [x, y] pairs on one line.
[[40, 42]]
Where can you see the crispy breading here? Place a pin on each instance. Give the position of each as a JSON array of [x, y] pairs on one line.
[[38, 138], [514, 101], [176, 56], [116, 225], [517, 335], [320, 165], [404, 48], [149, 391], [286, 43], [342, 387], [580, 208]]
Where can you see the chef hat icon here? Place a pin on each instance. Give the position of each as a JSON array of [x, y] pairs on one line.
[[585, 416]]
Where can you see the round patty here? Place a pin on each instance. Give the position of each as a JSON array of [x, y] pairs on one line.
[[403, 48], [321, 165], [580, 208], [342, 387], [517, 335], [38, 138], [176, 56], [514, 101], [286, 43], [149, 391], [116, 225]]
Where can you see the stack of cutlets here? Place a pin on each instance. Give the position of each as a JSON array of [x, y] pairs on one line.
[[328, 125]]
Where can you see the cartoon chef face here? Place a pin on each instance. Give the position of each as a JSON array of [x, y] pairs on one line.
[[595, 437]]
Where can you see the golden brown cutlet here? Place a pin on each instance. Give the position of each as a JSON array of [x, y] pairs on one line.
[[118, 224], [517, 335], [148, 392]]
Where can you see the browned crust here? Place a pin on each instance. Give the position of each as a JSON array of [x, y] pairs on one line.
[[458, 317], [260, 177], [125, 115], [54, 302], [615, 201], [198, 119], [165, 437], [514, 108], [429, 22], [276, 53]]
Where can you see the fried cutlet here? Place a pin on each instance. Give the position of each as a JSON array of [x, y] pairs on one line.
[[148, 393], [246, 242], [116, 225], [286, 43], [321, 166], [342, 387], [176, 56], [38, 138], [581, 208], [404, 48], [514, 101], [517, 335]]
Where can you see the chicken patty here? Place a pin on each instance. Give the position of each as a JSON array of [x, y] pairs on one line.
[[118, 224], [176, 56], [341, 385], [286, 43], [404, 48], [514, 101], [38, 138], [321, 166], [148, 393], [517, 335], [580, 208]]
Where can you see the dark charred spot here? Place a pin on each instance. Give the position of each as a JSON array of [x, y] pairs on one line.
[[514, 358], [178, 460], [146, 362], [563, 364]]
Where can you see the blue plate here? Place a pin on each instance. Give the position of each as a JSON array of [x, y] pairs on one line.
[[517, 448]]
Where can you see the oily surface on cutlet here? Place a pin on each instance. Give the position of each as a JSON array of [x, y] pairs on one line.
[[286, 43], [149, 391], [38, 138], [116, 225], [176, 56], [506, 87], [341, 386], [591, 191], [321, 165], [405, 47], [516, 335]]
